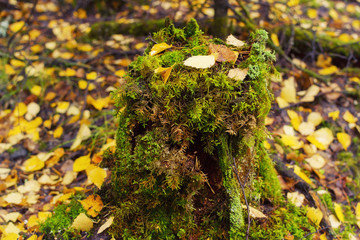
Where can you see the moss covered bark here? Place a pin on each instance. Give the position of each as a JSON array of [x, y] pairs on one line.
[[179, 138]]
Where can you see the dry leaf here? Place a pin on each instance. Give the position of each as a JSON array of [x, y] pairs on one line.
[[62, 107], [33, 164], [82, 223], [275, 39], [295, 119], [58, 132], [83, 134], [292, 141], [254, 213], [344, 139], [158, 48], [349, 117], [238, 74], [288, 92], [296, 198], [223, 53], [14, 198], [165, 72], [339, 213], [231, 40], [315, 118], [334, 115], [303, 176], [310, 94], [69, 177], [106, 225], [329, 70], [321, 138], [316, 161], [306, 128], [32, 110], [200, 61], [92, 204], [357, 213], [334, 222]]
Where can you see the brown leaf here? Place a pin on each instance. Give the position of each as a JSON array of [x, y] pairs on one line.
[[224, 54]]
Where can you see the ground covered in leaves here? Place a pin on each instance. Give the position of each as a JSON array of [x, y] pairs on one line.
[[57, 118]]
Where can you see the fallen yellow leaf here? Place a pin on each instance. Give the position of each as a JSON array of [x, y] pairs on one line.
[[231, 40], [91, 76], [288, 92], [238, 74], [321, 138], [295, 119], [329, 70], [357, 213], [275, 39], [82, 223], [33, 164], [165, 72], [106, 225], [200, 61], [16, 26], [97, 176], [315, 215], [81, 163], [344, 139], [339, 213], [83, 134], [334, 115], [349, 117], [315, 118], [316, 161], [303, 176], [58, 132], [292, 141], [93, 205], [20, 110], [62, 107]]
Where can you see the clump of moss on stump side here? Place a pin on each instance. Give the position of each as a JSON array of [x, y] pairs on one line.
[[177, 141]]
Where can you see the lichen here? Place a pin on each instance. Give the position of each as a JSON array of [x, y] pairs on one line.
[[179, 141]]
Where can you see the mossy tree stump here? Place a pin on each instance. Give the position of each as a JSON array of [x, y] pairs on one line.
[[184, 131]]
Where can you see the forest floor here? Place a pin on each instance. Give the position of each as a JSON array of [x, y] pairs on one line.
[[57, 116]]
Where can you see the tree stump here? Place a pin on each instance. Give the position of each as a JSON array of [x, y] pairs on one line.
[[191, 132]]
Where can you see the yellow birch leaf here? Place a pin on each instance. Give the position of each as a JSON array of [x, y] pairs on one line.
[[321, 138], [315, 118], [91, 76], [83, 134], [200, 61], [82, 223], [120, 73], [43, 216], [344, 139], [329, 70], [9, 70], [349, 117], [333, 14], [316, 161], [292, 141], [345, 37], [334, 115], [81, 163], [356, 24], [20, 110], [50, 96], [97, 176], [303, 176], [58, 132], [13, 198], [158, 48], [36, 90], [282, 102], [32, 110], [310, 94], [82, 84], [36, 48], [50, 45], [62, 107], [355, 79], [165, 72], [85, 47], [14, 27], [10, 236], [98, 103], [288, 92], [275, 39], [69, 177], [295, 119], [238, 74], [33, 237], [323, 61], [17, 63], [306, 128], [33, 164], [93, 205], [357, 213], [292, 3], [339, 213], [312, 13], [315, 215], [106, 225]]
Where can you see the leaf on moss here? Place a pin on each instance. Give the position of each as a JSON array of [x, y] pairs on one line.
[[165, 72], [82, 223], [97, 176], [334, 222], [315, 215], [200, 61], [231, 40], [158, 48], [238, 74], [254, 213], [106, 225], [223, 53], [92, 204]]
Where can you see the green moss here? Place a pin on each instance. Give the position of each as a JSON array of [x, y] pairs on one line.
[[59, 224], [179, 139]]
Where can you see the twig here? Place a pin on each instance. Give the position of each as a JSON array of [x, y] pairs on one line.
[[246, 202]]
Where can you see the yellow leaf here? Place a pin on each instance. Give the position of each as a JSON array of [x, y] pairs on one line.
[[20, 110], [345, 37], [356, 24], [339, 213], [10, 236], [357, 213], [329, 70], [91, 76], [238, 74], [316, 161], [85, 47], [81, 163], [344, 139], [139, 45], [120, 73], [334, 222], [58, 132], [98, 103], [82, 223], [310, 94], [32, 110], [50, 96], [36, 48], [295, 119], [33, 237], [323, 61], [288, 92], [355, 79], [349, 117], [14, 27], [158, 48], [333, 14], [292, 141], [282, 102], [17, 63], [200, 61], [36, 90], [9, 70], [275, 39], [292, 3], [303, 176], [106, 225], [306, 128], [315, 118], [82, 84], [231, 40], [14, 198], [312, 13], [93, 205], [62, 107], [315, 215], [50, 45], [165, 72], [334, 115], [80, 13], [33, 164], [34, 33], [43, 216], [83, 134], [321, 138], [296, 198], [97, 176]]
